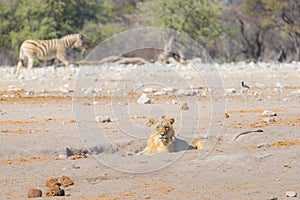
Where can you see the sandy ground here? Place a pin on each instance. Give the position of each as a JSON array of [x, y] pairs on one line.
[[43, 116]]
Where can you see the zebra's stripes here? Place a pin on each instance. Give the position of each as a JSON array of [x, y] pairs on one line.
[[48, 49]]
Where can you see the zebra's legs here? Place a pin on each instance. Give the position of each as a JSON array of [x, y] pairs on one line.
[[19, 65], [30, 64], [66, 63], [54, 70]]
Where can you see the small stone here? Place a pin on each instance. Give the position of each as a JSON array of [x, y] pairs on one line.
[[89, 91], [75, 166], [174, 102], [280, 90], [64, 89], [103, 119], [11, 87], [149, 89], [55, 191], [269, 113], [261, 145], [173, 90], [269, 120], [184, 106], [162, 92], [144, 99], [230, 91], [291, 194], [255, 93], [279, 85], [31, 93], [226, 115], [187, 92], [67, 85], [62, 156], [272, 198], [33, 193], [49, 119]]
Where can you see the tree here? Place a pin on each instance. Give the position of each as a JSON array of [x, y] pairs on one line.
[[259, 23], [198, 19], [290, 15]]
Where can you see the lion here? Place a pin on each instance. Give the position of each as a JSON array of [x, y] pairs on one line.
[[163, 139]]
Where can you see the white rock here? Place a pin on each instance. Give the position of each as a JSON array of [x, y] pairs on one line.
[[89, 91], [67, 85], [30, 93], [230, 90], [187, 92], [279, 85], [162, 92], [64, 90], [291, 194], [296, 92], [261, 145], [103, 119], [144, 99], [268, 120], [149, 89], [280, 90], [269, 113], [170, 89], [255, 93], [174, 102], [62, 156]]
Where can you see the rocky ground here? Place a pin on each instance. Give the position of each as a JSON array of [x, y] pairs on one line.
[[89, 124]]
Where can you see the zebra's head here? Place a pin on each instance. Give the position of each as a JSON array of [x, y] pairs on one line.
[[78, 44]]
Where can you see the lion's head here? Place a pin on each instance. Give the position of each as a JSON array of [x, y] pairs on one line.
[[162, 130], [162, 138]]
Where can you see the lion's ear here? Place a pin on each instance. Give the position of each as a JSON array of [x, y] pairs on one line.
[[150, 122], [171, 120]]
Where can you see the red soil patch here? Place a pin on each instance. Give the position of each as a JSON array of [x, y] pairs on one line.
[[253, 111], [19, 122], [35, 99], [71, 121], [278, 144], [22, 160], [285, 143], [20, 131], [246, 111]]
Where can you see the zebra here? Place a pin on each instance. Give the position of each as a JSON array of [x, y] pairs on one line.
[[48, 49]]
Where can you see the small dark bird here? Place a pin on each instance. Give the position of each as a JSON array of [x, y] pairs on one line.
[[244, 85]]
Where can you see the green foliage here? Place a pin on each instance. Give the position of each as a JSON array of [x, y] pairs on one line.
[[45, 19], [200, 19]]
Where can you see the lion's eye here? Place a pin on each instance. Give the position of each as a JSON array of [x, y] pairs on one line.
[[167, 128]]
